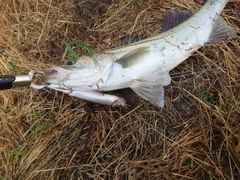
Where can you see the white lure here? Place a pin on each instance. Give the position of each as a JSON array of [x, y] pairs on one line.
[[142, 66]]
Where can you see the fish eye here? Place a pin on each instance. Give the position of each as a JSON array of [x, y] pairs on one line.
[[69, 63]]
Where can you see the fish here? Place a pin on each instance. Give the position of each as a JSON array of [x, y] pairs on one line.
[[144, 65]]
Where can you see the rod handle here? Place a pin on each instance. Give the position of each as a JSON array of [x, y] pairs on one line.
[[9, 81], [6, 81]]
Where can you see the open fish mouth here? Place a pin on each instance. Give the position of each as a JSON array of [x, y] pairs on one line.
[[42, 79], [37, 79], [54, 77], [52, 71]]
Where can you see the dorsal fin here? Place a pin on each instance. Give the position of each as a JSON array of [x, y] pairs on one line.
[[174, 18]]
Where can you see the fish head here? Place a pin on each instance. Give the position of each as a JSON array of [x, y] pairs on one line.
[[73, 77], [84, 74], [84, 67]]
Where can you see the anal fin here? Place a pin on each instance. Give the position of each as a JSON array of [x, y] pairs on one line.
[[153, 94], [150, 87]]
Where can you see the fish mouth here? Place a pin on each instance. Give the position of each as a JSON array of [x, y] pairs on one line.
[[37, 83], [52, 77], [56, 75], [51, 71]]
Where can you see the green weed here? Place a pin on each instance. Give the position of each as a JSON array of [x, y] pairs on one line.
[[36, 114], [137, 117], [17, 153], [140, 2], [37, 129], [152, 132], [210, 175], [85, 168], [209, 98], [77, 130], [144, 16], [71, 50], [59, 174], [14, 69]]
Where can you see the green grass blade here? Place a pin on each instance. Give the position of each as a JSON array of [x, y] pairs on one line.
[[69, 48], [89, 50]]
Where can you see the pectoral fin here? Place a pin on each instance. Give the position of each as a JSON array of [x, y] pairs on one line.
[[151, 89], [133, 57]]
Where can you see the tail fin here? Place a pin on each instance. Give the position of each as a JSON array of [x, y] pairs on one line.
[[220, 31]]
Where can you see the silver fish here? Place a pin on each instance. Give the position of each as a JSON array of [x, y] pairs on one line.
[[142, 66]]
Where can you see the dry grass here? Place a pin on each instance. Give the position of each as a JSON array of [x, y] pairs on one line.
[[48, 135]]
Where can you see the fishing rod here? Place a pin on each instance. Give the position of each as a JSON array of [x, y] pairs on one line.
[[10, 81]]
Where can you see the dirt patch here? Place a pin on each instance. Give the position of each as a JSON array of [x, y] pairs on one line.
[[88, 12]]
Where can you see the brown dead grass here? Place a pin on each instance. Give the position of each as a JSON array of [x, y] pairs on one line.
[[48, 135]]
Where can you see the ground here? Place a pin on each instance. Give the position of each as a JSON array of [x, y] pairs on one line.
[[46, 134]]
